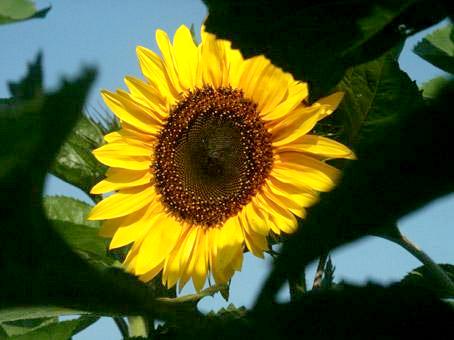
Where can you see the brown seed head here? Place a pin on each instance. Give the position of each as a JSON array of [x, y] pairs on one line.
[[212, 156]]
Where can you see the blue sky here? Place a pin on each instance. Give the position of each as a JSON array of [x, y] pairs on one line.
[[105, 33]]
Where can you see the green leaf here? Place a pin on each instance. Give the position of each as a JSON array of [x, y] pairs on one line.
[[68, 209], [420, 277], [19, 327], [83, 239], [376, 94], [75, 162], [438, 48], [432, 88], [328, 275], [68, 217], [228, 314], [27, 313], [59, 331], [317, 40], [19, 10]]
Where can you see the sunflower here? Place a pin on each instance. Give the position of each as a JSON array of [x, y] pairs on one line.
[[214, 154]]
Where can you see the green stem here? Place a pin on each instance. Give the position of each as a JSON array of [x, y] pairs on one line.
[[436, 272], [122, 326], [320, 270], [137, 326], [297, 286]]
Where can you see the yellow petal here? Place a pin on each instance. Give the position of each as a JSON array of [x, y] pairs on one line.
[[281, 216], [237, 262], [171, 271], [129, 132], [199, 271], [187, 257], [254, 219], [123, 203], [213, 66], [297, 92], [319, 146], [153, 69], [263, 83], [271, 90], [120, 179], [297, 167], [296, 124], [235, 61], [186, 57], [148, 276], [148, 96], [163, 41], [264, 208], [284, 201], [212, 255], [229, 241], [251, 72], [304, 197], [135, 225], [125, 136], [161, 238], [130, 112], [123, 155], [256, 243], [329, 104]]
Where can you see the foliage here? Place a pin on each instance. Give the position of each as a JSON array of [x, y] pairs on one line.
[[421, 277], [438, 48], [19, 10], [55, 263]]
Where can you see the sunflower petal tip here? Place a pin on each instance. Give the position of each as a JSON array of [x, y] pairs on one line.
[[352, 156]]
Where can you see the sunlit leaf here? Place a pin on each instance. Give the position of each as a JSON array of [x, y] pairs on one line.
[[19, 327], [26, 313], [18, 10], [438, 48], [75, 162], [68, 209], [432, 88], [60, 330]]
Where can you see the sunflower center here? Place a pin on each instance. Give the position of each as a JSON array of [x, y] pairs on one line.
[[213, 155]]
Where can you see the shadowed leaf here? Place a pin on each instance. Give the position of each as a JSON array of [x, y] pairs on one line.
[[376, 94], [35, 259], [397, 173], [420, 277], [318, 40], [59, 330]]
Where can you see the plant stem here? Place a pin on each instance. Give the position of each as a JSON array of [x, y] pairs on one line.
[[436, 272], [122, 326], [320, 271], [297, 286], [137, 326]]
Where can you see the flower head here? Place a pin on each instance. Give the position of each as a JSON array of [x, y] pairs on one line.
[[214, 154]]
